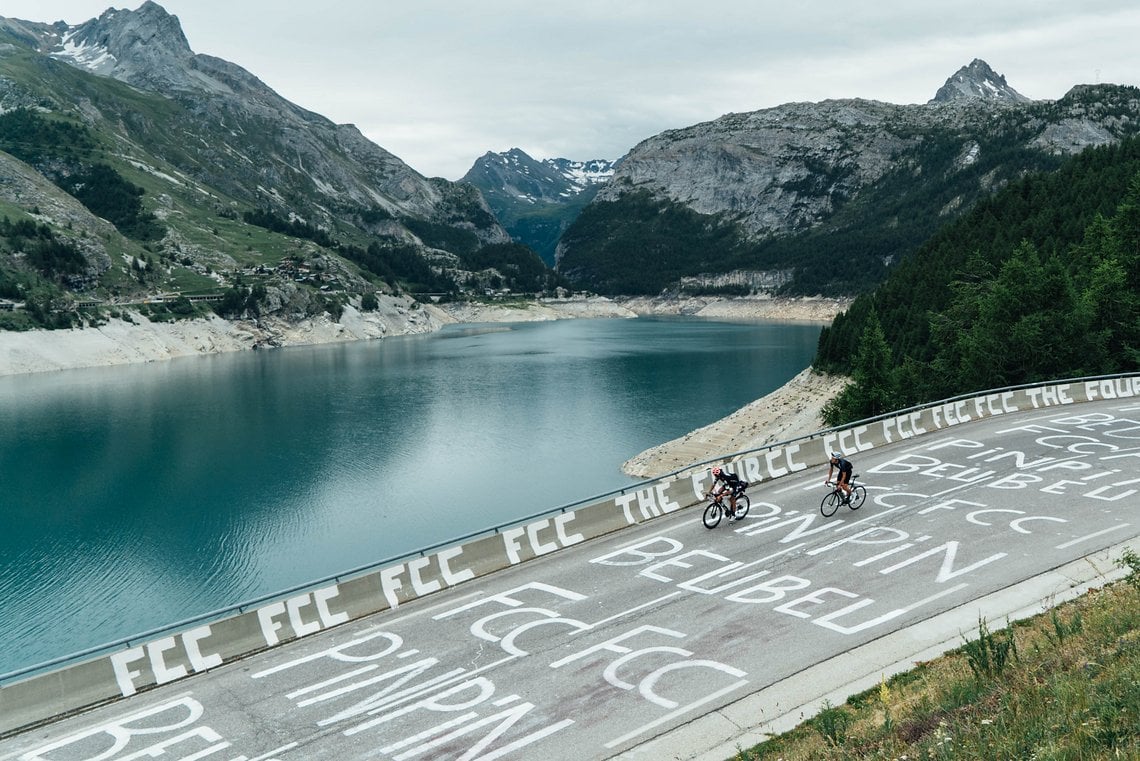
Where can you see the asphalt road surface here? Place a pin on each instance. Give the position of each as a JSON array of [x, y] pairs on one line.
[[666, 639]]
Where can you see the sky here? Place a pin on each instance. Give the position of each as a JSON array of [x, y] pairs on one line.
[[439, 83]]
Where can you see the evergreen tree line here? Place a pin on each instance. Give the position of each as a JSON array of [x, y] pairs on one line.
[[521, 269], [402, 265], [240, 301], [267, 220], [398, 265], [34, 139], [638, 244], [393, 263], [1038, 282], [108, 195], [62, 152], [42, 250]]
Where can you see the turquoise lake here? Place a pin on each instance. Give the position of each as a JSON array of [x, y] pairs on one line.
[[135, 497]]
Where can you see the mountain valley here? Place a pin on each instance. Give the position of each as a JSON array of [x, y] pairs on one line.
[[139, 176]]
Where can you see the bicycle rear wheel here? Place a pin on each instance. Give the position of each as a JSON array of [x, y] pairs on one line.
[[858, 494], [742, 505], [712, 515], [830, 504]]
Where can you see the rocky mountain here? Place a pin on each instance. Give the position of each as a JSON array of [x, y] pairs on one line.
[[823, 197], [977, 81], [131, 166], [206, 173], [537, 200]]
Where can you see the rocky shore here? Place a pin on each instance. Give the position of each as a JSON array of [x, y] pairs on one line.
[[809, 309], [793, 410], [134, 338], [138, 339]]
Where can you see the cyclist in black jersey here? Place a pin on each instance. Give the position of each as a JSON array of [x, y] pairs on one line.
[[724, 481], [843, 479]]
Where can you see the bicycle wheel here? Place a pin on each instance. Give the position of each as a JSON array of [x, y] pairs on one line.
[[742, 505], [712, 515], [830, 504], [858, 494]]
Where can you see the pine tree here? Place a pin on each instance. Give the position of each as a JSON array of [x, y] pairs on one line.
[[873, 388]]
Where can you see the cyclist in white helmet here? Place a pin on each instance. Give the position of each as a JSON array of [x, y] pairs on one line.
[[843, 479]]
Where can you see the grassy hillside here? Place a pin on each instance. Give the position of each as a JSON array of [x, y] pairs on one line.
[[1060, 686], [116, 196]]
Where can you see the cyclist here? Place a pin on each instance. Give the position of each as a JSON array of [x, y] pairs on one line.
[[724, 481], [843, 479]]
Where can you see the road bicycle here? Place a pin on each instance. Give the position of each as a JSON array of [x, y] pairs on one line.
[[835, 498], [717, 508]]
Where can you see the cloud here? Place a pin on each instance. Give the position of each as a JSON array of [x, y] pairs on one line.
[[441, 82]]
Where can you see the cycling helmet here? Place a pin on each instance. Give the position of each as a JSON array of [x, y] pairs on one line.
[[836, 455], [716, 471]]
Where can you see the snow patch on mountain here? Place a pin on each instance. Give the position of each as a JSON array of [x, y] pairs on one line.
[[95, 58], [583, 174]]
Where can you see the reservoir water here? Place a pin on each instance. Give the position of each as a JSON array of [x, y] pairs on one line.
[[134, 497]]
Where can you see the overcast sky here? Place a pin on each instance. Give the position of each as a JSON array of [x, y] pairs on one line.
[[441, 82]]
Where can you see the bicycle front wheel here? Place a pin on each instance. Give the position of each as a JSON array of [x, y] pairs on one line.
[[858, 494], [712, 515], [830, 504]]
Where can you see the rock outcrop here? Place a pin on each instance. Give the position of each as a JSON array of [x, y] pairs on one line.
[[864, 181]]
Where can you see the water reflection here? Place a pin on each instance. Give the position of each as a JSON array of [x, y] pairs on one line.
[[138, 496]]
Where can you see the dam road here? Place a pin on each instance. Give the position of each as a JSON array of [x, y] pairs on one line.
[[662, 639]]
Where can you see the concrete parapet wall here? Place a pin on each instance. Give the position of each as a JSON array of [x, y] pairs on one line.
[[175, 656]]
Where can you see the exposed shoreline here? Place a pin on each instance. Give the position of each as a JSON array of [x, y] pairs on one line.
[[138, 339], [786, 413], [793, 410]]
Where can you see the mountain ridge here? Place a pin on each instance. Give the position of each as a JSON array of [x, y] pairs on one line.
[[834, 192], [209, 159], [802, 198]]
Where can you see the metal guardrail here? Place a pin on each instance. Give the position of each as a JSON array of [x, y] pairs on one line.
[[887, 416], [246, 605]]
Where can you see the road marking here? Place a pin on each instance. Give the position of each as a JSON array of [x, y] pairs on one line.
[[627, 612], [673, 714], [966, 485], [329, 682], [393, 699], [270, 754], [1085, 538]]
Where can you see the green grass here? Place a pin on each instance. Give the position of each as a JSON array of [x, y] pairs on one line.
[[186, 280], [13, 212], [1062, 686]]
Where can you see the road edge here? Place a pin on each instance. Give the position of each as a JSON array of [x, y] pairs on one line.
[[722, 734]]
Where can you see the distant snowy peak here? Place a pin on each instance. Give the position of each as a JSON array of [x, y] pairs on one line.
[[583, 173], [978, 82], [577, 175], [536, 201]]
